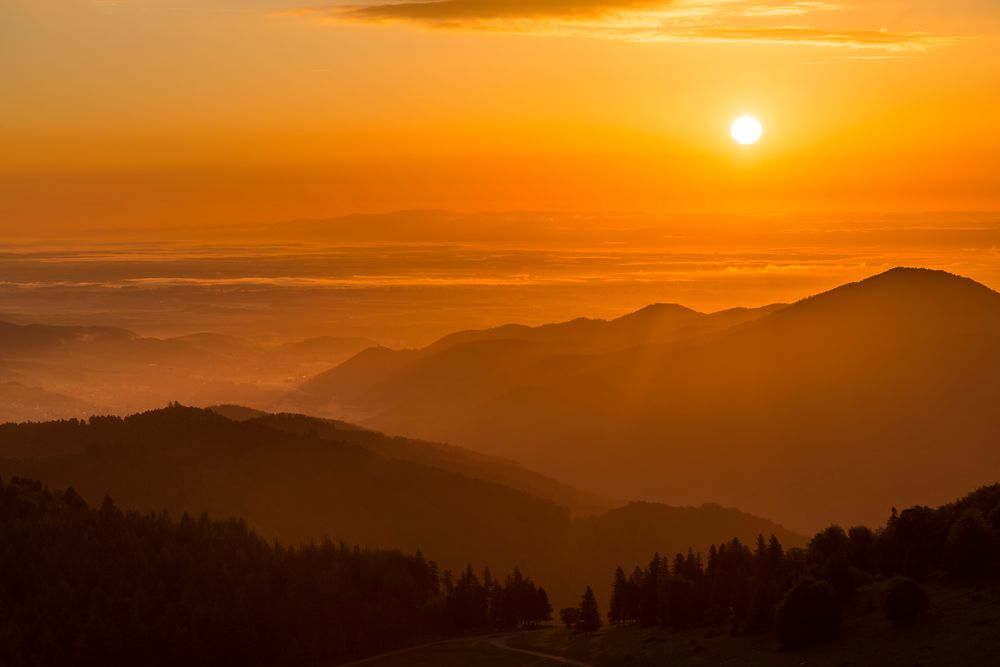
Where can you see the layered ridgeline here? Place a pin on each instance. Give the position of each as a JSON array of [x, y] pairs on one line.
[[835, 407], [298, 479], [49, 372], [436, 455]]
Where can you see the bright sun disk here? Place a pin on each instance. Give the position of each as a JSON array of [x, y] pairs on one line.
[[746, 130]]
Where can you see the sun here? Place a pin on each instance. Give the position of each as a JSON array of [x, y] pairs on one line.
[[746, 130]]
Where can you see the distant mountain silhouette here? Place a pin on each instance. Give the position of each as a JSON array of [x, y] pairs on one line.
[[318, 347], [298, 479], [69, 371], [878, 392], [505, 358], [23, 403]]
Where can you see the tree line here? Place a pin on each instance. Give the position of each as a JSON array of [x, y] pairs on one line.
[[586, 617], [95, 586], [488, 604], [800, 592]]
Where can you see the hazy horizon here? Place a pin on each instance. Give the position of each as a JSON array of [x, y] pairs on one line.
[[405, 279], [585, 401]]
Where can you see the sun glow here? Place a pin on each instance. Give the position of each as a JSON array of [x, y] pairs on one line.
[[746, 130]]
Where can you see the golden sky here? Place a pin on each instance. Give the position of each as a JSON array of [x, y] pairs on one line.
[[133, 113]]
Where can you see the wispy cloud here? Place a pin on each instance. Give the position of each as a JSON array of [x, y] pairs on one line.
[[789, 9], [753, 21], [858, 39], [448, 11]]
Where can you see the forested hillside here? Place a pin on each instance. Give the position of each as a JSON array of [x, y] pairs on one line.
[[800, 592], [104, 587], [298, 480]]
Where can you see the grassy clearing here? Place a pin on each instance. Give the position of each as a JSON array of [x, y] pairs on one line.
[[472, 653], [961, 628]]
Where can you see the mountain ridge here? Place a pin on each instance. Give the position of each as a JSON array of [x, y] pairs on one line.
[[862, 376]]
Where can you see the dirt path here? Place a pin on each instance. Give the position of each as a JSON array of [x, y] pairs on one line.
[[500, 641], [497, 641], [403, 650]]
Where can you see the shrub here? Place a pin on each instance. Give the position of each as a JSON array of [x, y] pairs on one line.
[[905, 601], [971, 544], [569, 616], [809, 614]]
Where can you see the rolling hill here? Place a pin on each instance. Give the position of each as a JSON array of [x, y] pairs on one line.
[[297, 482], [446, 457], [836, 407]]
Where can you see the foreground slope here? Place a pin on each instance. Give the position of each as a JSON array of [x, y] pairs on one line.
[[921, 589], [960, 629], [877, 392], [299, 487]]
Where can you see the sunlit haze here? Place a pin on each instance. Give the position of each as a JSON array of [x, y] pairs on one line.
[[502, 333], [145, 113]]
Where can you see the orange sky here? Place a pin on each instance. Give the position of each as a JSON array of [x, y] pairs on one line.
[[129, 113]]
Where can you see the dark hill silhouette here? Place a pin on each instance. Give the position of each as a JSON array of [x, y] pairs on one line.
[[300, 487], [887, 387], [446, 457], [237, 413]]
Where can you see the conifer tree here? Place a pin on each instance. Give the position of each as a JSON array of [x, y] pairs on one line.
[[619, 595], [590, 617]]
